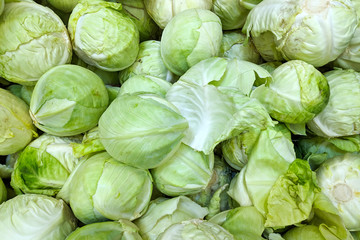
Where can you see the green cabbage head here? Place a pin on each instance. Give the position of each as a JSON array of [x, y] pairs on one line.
[[33, 40], [341, 116], [36, 217], [103, 36], [339, 179], [191, 36], [316, 32], [68, 100], [297, 93], [16, 127], [102, 188]]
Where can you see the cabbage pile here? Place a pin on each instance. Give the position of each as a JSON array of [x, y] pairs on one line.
[[194, 119]]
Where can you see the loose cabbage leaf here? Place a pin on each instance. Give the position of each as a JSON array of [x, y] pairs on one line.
[[215, 114], [269, 159], [291, 198]]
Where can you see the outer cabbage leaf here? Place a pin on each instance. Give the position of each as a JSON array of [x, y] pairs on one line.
[[145, 84], [269, 159], [225, 72], [325, 223], [215, 115], [242, 222], [316, 150], [90, 144], [304, 232], [327, 218], [237, 189], [291, 198]]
